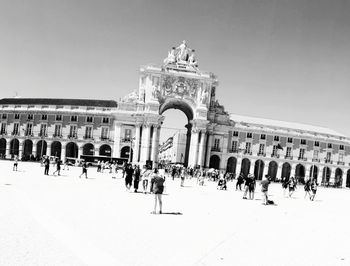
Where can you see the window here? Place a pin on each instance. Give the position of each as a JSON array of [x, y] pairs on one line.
[[262, 136], [289, 152], [73, 118], [234, 145], [216, 144], [303, 141], [58, 117], [43, 130], [249, 135], [88, 132], [235, 133], [29, 131], [105, 120], [341, 147], [3, 129], [290, 140], [104, 133], [317, 144], [248, 147], [127, 134], [30, 117], [89, 119], [17, 116], [341, 157], [301, 153], [328, 156], [58, 130], [15, 129], [276, 138], [73, 131], [274, 150], [316, 152], [44, 117], [4, 116], [262, 149], [329, 146]]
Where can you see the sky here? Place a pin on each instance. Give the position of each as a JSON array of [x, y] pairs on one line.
[[279, 59]]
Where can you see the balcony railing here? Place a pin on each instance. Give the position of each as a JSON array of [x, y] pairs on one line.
[[261, 154], [302, 159], [288, 157], [29, 134], [105, 139], [315, 160], [217, 149], [3, 133], [328, 161], [88, 137], [126, 140], [248, 152], [233, 151], [57, 136], [72, 136], [340, 163], [42, 134], [15, 133], [275, 155]]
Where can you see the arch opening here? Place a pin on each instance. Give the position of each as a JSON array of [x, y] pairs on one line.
[[41, 149], [245, 167], [3, 143], [72, 150], [272, 171], [214, 162], [259, 169], [56, 149], [231, 165]]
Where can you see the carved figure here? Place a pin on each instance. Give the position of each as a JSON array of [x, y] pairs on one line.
[[204, 96], [171, 59], [182, 52], [192, 60]]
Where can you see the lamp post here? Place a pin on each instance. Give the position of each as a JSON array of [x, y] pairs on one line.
[[130, 150]]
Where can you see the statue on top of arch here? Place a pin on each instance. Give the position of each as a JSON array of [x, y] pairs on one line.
[[182, 57]]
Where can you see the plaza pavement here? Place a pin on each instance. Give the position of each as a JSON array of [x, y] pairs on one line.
[[47, 220]]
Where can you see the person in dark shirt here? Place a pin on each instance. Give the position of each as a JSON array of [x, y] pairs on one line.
[[129, 171], [264, 189], [84, 168], [307, 188], [137, 174], [240, 181], [47, 165], [251, 188], [157, 186], [313, 187], [248, 180]]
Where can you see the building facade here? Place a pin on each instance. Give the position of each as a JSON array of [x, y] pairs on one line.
[[173, 149], [130, 128]]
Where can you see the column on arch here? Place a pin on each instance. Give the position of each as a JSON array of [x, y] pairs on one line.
[[252, 167], [63, 151], [279, 170], [155, 144], [20, 149], [145, 141], [208, 149], [136, 151], [34, 147], [201, 149], [266, 168], [116, 139], [192, 160]]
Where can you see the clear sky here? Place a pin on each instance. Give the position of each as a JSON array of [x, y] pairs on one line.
[[278, 59]]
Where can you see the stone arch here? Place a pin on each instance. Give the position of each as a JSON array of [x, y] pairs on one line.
[[231, 165], [245, 167], [88, 149], [348, 179], [27, 149], [300, 173], [338, 179], [286, 169], [125, 153], [72, 150], [56, 149], [41, 148], [313, 172], [326, 175], [259, 169], [14, 147], [272, 171], [105, 150], [180, 104], [214, 162], [3, 143]]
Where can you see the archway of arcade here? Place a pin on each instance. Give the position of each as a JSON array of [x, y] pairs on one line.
[[41, 148], [176, 134], [259, 169], [2, 148]]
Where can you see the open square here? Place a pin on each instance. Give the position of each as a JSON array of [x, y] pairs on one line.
[[65, 220]]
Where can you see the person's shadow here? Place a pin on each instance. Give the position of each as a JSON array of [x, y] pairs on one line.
[[172, 213]]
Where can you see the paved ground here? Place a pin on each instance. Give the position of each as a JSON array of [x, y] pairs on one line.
[[46, 220]]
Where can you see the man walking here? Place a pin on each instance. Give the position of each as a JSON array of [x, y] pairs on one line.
[[47, 165]]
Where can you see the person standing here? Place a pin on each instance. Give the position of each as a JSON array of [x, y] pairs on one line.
[[248, 180], [291, 185], [251, 188], [240, 181], [84, 170], [313, 188], [157, 186], [264, 189], [129, 171], [307, 188], [182, 175], [47, 165], [137, 175], [65, 165], [15, 163], [58, 167]]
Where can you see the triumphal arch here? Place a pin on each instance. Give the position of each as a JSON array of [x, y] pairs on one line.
[[176, 84]]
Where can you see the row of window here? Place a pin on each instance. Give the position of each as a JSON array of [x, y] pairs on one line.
[[289, 140], [73, 131], [73, 118]]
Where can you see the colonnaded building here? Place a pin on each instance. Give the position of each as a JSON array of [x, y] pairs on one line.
[[68, 128]]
